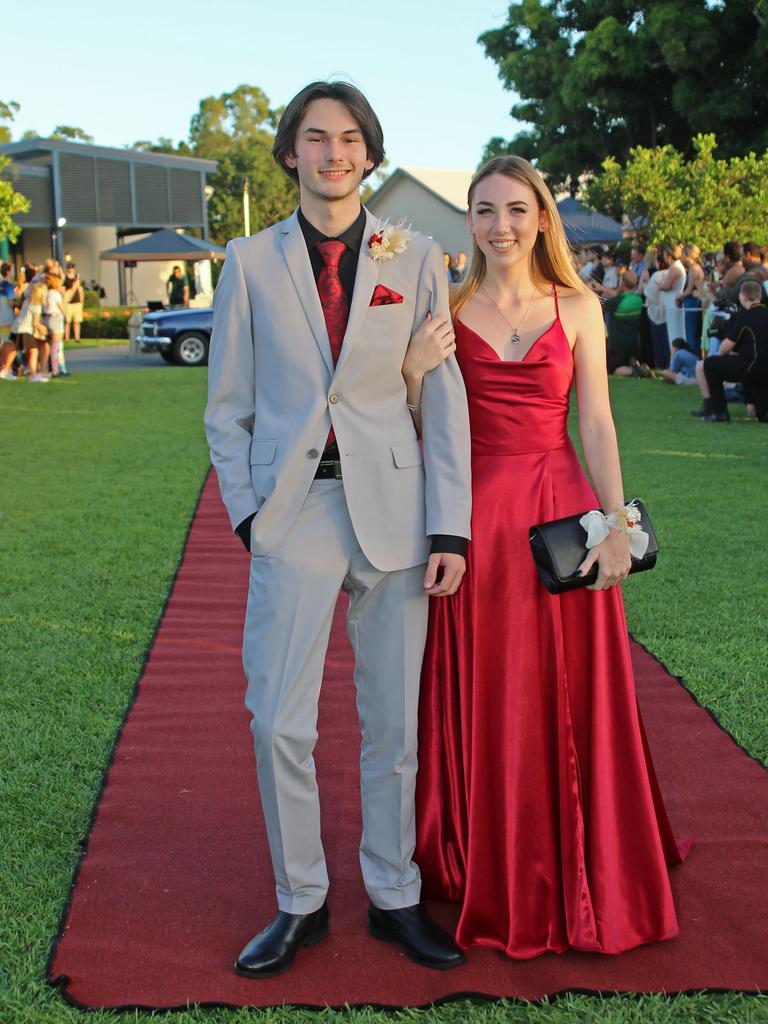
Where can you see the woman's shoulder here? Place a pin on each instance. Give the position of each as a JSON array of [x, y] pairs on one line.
[[576, 301]]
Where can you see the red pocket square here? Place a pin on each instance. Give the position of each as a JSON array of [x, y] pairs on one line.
[[383, 296]]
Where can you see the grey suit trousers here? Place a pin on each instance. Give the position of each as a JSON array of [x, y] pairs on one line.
[[291, 598]]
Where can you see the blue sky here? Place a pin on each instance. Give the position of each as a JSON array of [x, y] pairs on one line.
[[140, 69]]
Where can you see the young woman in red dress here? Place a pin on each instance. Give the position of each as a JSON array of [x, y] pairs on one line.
[[538, 807]]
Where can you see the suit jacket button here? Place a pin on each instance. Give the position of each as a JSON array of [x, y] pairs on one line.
[[312, 453], [333, 399]]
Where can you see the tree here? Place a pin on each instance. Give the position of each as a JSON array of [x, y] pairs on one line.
[[705, 200], [66, 131], [237, 130], [11, 202], [162, 145], [598, 77], [7, 113]]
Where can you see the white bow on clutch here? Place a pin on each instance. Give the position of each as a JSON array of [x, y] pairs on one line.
[[627, 520]]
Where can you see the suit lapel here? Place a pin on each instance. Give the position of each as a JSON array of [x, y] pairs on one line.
[[300, 269], [366, 279]]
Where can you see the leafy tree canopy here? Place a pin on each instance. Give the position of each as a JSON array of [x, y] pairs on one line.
[[7, 113], [598, 77], [237, 129], [66, 131], [11, 202], [704, 200]]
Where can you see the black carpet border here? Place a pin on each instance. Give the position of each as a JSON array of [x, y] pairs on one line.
[[476, 997], [60, 981], [57, 981]]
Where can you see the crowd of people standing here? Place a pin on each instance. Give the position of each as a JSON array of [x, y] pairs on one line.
[[38, 313], [660, 306]]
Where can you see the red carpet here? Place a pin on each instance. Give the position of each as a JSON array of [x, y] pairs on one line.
[[176, 875]]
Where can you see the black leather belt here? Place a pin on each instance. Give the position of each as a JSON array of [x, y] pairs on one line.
[[329, 467]]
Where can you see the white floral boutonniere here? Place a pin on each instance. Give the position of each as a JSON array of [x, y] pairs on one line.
[[389, 240]]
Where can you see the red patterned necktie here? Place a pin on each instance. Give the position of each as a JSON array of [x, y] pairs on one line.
[[333, 300], [332, 297]]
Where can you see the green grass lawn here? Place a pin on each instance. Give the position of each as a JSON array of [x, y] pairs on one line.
[[99, 480]]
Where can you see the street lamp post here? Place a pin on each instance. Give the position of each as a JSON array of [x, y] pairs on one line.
[[246, 207], [57, 244]]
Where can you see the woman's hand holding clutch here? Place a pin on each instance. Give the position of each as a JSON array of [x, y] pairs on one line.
[[613, 560]]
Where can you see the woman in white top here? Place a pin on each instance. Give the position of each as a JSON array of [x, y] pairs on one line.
[[691, 299], [672, 287], [654, 307], [54, 321]]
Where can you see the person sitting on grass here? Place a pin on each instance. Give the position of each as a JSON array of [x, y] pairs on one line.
[[682, 368], [623, 315], [743, 357]]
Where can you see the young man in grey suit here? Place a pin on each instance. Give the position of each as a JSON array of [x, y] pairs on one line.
[[324, 480]]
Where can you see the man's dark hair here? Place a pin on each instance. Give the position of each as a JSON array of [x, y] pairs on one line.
[[353, 100], [5, 268], [752, 249], [751, 290], [733, 251], [679, 343], [639, 247]]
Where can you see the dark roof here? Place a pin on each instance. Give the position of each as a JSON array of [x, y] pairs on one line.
[[37, 148], [165, 245], [583, 226]]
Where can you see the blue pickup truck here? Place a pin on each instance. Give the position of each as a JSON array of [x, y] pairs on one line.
[[180, 335]]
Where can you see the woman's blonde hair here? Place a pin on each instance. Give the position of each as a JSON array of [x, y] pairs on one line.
[[53, 282], [693, 251], [37, 294], [552, 258]]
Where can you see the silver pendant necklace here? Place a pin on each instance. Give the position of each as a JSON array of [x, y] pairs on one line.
[[515, 330]]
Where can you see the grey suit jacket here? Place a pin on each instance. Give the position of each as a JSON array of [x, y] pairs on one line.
[[273, 394]]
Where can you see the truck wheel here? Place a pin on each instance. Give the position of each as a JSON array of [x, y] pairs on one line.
[[191, 349]]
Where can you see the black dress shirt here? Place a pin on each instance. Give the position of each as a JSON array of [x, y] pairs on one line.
[[352, 238]]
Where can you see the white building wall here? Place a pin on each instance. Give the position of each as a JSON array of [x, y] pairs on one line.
[[406, 199], [145, 283]]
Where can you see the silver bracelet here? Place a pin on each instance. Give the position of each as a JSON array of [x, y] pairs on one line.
[[413, 408]]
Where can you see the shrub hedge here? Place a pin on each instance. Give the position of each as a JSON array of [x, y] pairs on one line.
[[107, 322]]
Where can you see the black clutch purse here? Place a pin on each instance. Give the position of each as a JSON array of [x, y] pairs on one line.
[[559, 548]]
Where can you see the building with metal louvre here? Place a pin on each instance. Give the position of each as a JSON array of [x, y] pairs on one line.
[[103, 195]]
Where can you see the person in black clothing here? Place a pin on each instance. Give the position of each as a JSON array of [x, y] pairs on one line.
[[178, 289], [743, 356]]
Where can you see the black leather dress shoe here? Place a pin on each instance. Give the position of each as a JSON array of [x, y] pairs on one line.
[[272, 950], [423, 941]]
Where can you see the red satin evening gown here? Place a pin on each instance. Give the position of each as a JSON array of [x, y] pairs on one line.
[[537, 803]]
